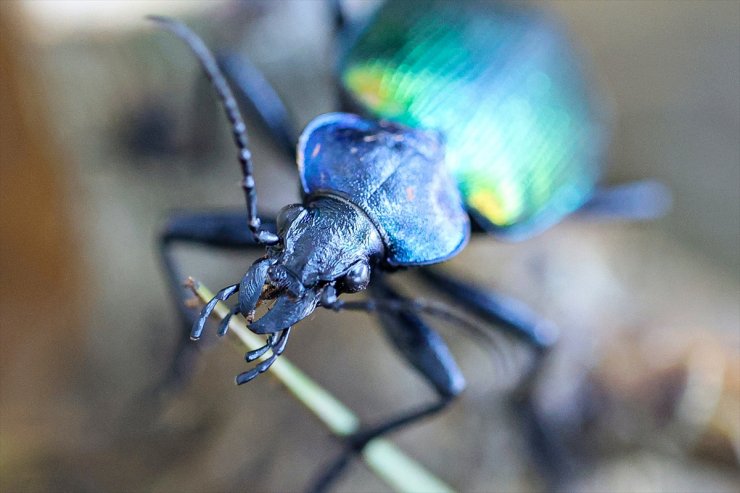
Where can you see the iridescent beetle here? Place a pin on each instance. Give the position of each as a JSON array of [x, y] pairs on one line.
[[525, 140], [524, 149]]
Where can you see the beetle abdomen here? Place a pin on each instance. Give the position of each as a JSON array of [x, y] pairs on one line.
[[524, 139]]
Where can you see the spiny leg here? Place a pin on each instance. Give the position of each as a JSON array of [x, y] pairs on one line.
[[500, 311], [425, 350]]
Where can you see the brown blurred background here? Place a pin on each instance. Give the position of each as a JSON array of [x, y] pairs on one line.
[[644, 387]]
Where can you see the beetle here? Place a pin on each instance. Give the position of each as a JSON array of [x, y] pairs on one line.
[[379, 195]]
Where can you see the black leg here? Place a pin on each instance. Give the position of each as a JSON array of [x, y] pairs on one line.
[[239, 128], [512, 315], [425, 350], [507, 313], [216, 229]]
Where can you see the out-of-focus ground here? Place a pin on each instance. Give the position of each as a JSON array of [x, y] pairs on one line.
[[643, 387]]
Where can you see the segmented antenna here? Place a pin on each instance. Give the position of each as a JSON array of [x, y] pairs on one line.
[[238, 127]]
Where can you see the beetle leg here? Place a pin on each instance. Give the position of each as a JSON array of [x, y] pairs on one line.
[[255, 91], [216, 229], [400, 320], [519, 320], [427, 352], [507, 313]]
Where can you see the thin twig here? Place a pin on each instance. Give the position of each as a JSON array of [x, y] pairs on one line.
[[387, 461]]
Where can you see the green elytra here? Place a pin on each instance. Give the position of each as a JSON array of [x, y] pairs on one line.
[[525, 138]]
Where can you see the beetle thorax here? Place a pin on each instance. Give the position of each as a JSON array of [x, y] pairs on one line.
[[326, 247], [321, 242]]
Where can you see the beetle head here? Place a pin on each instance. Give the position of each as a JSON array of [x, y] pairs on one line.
[[326, 248]]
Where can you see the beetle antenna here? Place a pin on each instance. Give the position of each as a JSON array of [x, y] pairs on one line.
[[238, 127]]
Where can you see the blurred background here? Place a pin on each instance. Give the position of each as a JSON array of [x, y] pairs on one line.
[[106, 126]]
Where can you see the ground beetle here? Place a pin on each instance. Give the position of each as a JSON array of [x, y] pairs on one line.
[[379, 195]]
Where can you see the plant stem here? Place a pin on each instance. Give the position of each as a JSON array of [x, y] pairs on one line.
[[387, 461]]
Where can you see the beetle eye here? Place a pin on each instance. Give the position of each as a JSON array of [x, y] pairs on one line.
[[287, 215], [357, 277]]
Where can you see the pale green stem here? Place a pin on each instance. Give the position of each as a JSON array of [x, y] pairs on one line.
[[387, 461]]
